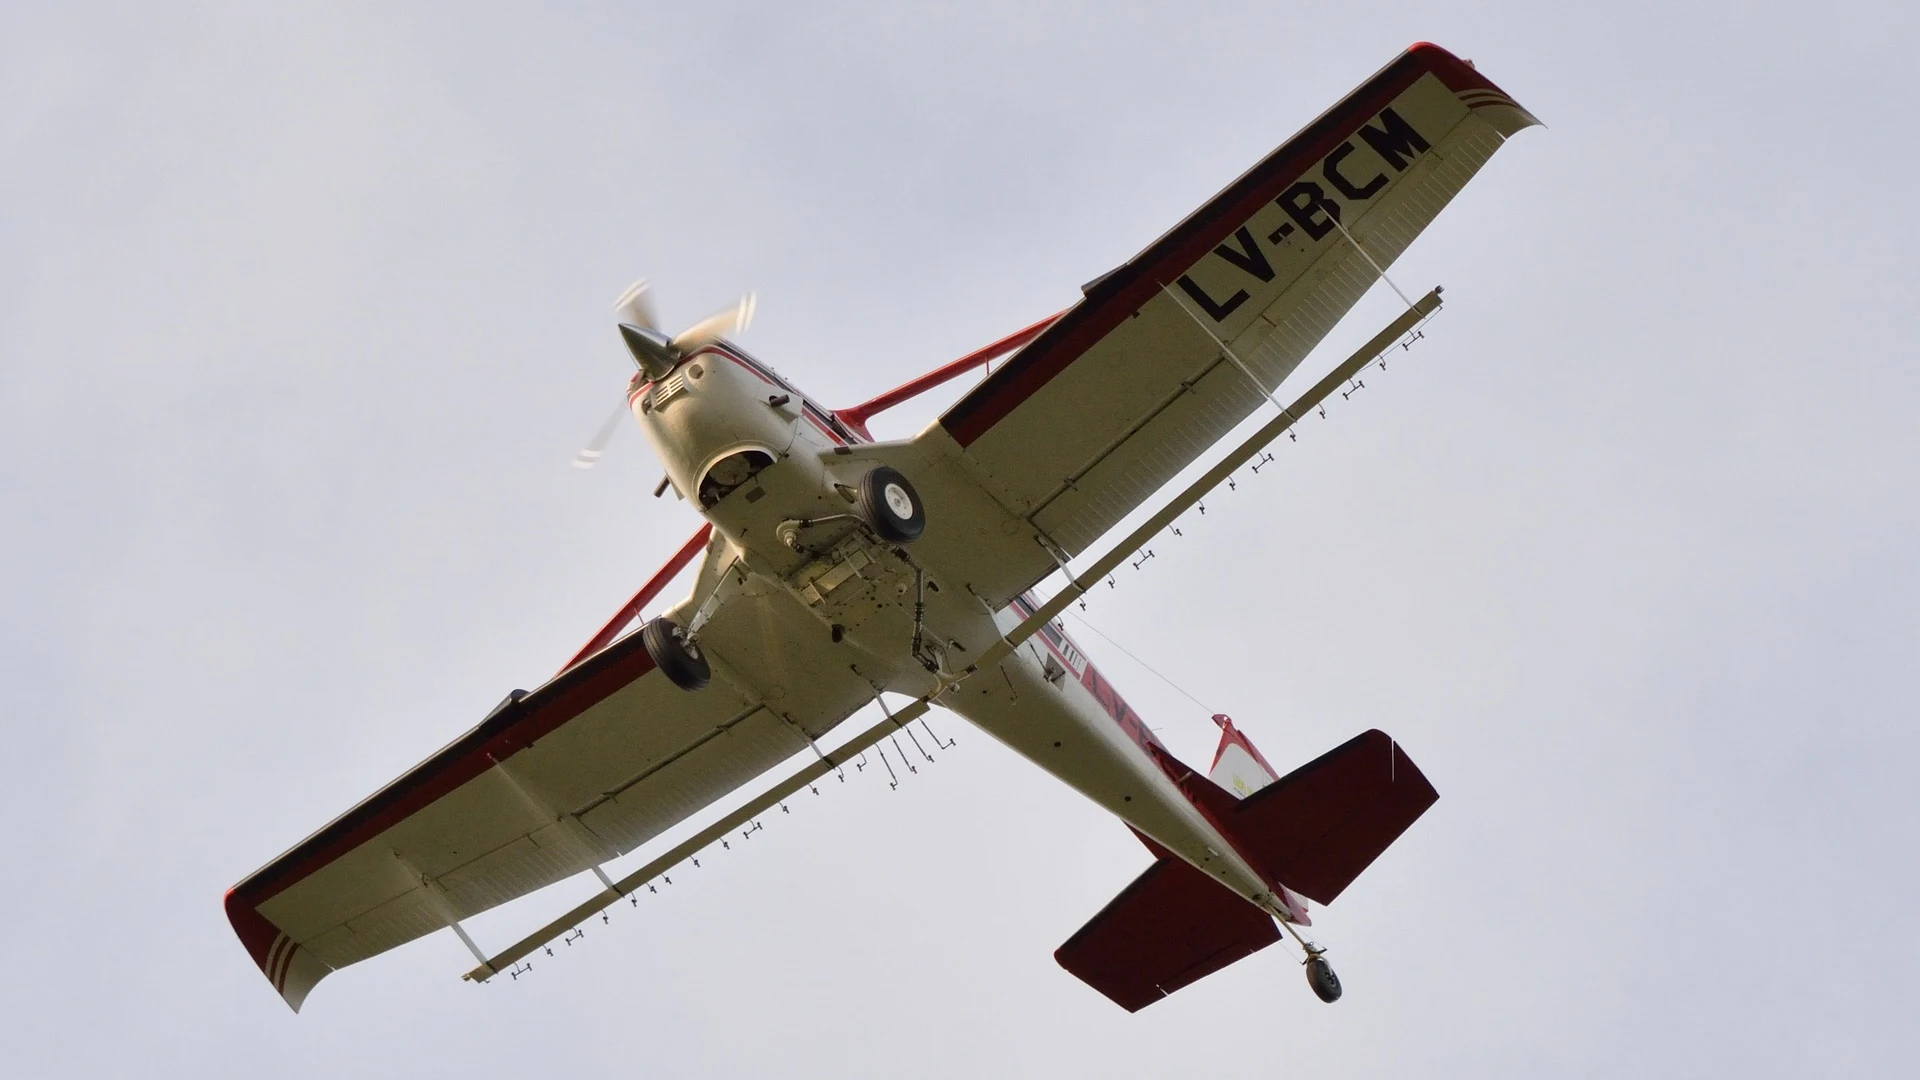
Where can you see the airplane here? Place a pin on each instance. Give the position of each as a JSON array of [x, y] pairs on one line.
[[834, 569]]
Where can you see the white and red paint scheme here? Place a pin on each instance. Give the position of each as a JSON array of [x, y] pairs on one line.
[[832, 569]]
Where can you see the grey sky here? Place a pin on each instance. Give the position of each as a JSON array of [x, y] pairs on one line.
[[303, 312]]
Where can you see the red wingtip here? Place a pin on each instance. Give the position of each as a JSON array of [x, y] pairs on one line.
[[253, 929], [291, 970], [1456, 73]]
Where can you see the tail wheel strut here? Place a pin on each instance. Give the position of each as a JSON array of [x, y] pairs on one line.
[[1320, 976]]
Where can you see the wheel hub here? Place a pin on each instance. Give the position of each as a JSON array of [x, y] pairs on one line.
[[898, 500]]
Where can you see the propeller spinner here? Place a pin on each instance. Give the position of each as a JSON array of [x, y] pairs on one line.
[[653, 350]]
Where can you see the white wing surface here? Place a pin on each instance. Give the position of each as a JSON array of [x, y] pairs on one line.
[[1133, 383], [599, 760]]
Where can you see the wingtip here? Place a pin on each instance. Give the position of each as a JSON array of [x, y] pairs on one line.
[[291, 970], [1480, 93], [251, 927]]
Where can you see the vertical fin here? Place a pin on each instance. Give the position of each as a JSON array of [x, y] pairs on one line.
[[1238, 766]]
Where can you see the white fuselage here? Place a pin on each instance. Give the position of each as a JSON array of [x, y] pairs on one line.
[[756, 456]]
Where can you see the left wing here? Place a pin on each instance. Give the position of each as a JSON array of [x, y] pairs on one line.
[[1167, 353], [599, 760]]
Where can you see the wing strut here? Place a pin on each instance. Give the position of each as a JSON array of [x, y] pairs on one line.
[[989, 657], [647, 592], [461, 932], [857, 416]]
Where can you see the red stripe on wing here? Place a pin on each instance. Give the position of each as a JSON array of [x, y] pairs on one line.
[[1116, 297], [513, 727]]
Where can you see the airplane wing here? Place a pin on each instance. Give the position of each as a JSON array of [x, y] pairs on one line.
[[599, 760], [1135, 382]]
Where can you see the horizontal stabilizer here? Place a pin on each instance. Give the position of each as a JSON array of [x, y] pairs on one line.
[[1173, 926], [1318, 826]]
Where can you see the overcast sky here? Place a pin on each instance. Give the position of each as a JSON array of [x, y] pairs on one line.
[[303, 311]]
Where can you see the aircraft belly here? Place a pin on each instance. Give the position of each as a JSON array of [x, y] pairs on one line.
[[1059, 726]]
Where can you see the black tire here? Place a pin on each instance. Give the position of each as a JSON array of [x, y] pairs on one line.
[[1320, 976], [677, 658], [891, 506]]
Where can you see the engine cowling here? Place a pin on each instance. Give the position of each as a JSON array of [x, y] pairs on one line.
[[729, 442]]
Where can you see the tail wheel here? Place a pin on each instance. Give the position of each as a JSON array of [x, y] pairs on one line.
[[676, 657], [1320, 976], [891, 506]]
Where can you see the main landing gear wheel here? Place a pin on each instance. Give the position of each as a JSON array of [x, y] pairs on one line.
[[891, 506], [1320, 976], [676, 657]]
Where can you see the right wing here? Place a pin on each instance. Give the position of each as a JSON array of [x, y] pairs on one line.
[[601, 759], [1135, 382]]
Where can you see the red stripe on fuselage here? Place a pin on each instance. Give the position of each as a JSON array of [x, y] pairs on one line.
[[836, 437], [808, 408], [1103, 692], [1116, 707], [1210, 800]]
